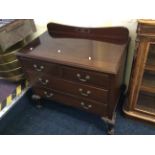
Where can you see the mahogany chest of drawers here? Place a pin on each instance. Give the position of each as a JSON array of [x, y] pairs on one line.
[[82, 73]]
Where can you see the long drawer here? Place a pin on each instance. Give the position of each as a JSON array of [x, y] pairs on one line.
[[86, 77], [71, 101], [74, 88], [69, 73]]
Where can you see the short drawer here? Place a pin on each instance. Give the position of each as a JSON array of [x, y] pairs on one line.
[[40, 67], [73, 88], [92, 107], [86, 77]]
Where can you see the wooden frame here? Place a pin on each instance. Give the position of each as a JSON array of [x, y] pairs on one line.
[[145, 38]]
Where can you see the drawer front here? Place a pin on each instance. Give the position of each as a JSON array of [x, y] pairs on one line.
[[87, 92], [71, 101], [86, 77], [40, 67]]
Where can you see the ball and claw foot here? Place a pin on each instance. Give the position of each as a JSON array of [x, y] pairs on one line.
[[109, 125], [110, 129], [37, 99], [39, 106]]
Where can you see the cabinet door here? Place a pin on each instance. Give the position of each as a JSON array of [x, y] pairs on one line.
[[146, 97]]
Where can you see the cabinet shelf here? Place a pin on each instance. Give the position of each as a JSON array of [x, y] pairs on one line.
[[147, 89], [146, 102], [148, 82], [151, 56], [150, 68]]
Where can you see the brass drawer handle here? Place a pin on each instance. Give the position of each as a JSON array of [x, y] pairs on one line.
[[38, 68], [48, 95], [84, 93], [44, 82], [86, 106], [87, 77]]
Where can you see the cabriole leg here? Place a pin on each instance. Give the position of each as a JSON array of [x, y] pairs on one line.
[[110, 124], [37, 100]]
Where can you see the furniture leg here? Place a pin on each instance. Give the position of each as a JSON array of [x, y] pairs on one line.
[[37, 100], [110, 124], [110, 128]]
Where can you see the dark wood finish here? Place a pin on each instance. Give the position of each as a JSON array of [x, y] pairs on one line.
[[141, 95], [38, 67], [70, 100], [74, 88], [82, 73], [118, 35], [86, 77], [86, 54]]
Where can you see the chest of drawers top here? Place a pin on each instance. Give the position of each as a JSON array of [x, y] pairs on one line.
[[83, 53]]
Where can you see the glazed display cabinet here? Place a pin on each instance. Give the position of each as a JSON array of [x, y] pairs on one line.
[[141, 95]]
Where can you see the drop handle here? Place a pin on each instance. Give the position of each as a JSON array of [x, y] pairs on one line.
[[86, 106], [38, 68], [44, 82], [48, 95], [85, 79], [84, 93]]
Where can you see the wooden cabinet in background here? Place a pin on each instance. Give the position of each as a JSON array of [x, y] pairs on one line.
[[141, 97]]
